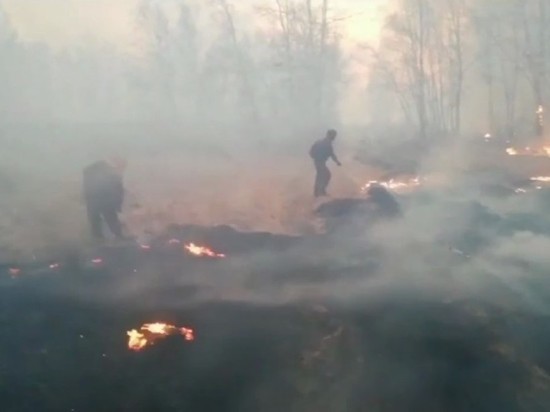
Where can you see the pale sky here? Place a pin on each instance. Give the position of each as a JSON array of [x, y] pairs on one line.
[[62, 23], [66, 23]]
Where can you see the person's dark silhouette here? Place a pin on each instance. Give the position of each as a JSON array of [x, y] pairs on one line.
[[104, 195], [320, 152]]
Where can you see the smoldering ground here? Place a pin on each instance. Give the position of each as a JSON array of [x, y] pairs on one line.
[[447, 226], [445, 306]]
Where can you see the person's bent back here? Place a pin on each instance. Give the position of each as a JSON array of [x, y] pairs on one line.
[[102, 185]]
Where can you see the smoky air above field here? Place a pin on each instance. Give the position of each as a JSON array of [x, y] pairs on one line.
[[215, 106], [418, 283]]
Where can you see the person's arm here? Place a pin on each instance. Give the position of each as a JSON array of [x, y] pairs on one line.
[[333, 157], [118, 192]]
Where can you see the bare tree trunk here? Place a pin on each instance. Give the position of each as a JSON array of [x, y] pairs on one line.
[[543, 21], [246, 84], [421, 72], [322, 61], [310, 23], [510, 95], [283, 18], [456, 11], [490, 106]]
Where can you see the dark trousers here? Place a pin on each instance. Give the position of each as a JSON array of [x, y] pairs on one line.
[[322, 179], [98, 213]]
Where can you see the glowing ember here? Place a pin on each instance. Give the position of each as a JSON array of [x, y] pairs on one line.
[[544, 179], [540, 115], [540, 180], [97, 261], [187, 333], [529, 151], [202, 251], [149, 333], [136, 340], [174, 242], [55, 266], [145, 247], [393, 184], [14, 272]]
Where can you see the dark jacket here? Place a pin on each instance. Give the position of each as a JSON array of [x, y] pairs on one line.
[[322, 150], [103, 186]]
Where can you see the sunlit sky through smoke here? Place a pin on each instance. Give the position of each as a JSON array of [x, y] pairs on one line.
[[68, 23]]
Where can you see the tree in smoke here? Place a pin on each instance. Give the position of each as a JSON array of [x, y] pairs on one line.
[[487, 62], [287, 76], [26, 78], [304, 61], [241, 64], [421, 56], [505, 61], [536, 35], [10, 50], [187, 61], [161, 79]]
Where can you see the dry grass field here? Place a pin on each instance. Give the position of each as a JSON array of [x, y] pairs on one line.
[[42, 211]]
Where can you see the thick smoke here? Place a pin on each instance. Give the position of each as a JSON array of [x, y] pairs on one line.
[[215, 105], [216, 125]]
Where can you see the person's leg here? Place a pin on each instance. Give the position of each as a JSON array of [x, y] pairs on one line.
[[318, 186], [94, 217], [325, 179], [111, 218]]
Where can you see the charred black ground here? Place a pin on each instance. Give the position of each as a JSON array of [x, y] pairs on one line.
[[65, 345]]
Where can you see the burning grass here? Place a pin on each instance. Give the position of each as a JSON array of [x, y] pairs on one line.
[[414, 353], [267, 198], [199, 251], [529, 151], [149, 333], [443, 321], [402, 184], [285, 342]]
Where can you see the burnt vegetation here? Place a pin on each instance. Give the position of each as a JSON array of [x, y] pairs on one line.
[[401, 348], [426, 287]]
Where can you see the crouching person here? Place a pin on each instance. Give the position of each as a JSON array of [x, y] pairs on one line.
[[104, 195]]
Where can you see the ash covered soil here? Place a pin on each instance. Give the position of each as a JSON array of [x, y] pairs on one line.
[[442, 309], [312, 323]]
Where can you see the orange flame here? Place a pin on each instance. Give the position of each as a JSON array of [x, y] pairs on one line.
[[136, 340], [202, 251], [393, 184], [149, 333]]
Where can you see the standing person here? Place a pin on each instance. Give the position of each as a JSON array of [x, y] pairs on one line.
[[320, 152], [104, 195]]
